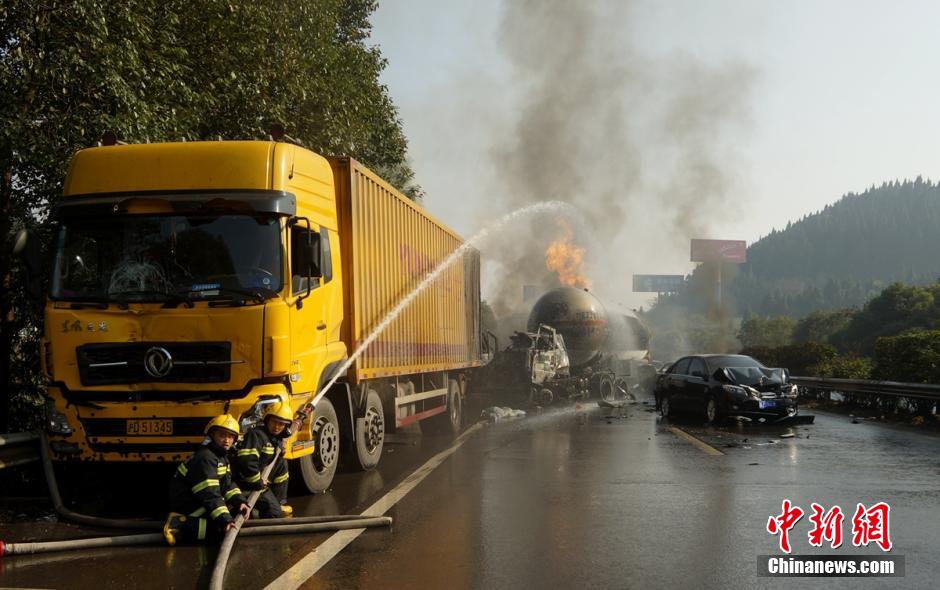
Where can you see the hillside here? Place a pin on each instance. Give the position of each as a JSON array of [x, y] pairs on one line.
[[836, 258], [846, 253]]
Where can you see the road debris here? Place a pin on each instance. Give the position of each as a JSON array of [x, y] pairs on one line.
[[497, 413], [787, 435]]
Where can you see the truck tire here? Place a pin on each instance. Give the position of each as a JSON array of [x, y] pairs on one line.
[[605, 388], [450, 421], [370, 432], [318, 468]]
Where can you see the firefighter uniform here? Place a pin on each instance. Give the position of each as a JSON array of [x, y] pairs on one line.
[[255, 452], [203, 496]]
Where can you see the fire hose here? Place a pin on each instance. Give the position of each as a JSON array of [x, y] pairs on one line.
[[270, 526], [228, 541], [157, 538], [133, 524]]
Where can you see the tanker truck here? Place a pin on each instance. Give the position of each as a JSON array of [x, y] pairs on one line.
[[608, 353], [198, 278]]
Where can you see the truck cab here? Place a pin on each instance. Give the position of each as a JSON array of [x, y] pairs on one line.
[[188, 280]]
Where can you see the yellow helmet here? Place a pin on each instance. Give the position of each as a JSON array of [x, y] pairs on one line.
[[225, 422], [281, 411]]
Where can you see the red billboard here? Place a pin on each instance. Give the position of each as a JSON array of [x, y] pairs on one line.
[[727, 250]]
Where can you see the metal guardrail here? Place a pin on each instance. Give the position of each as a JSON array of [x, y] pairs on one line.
[[18, 448], [925, 391]]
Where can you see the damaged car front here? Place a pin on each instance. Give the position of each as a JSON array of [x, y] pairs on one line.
[[752, 390]]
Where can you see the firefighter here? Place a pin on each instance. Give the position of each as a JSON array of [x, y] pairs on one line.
[[255, 453], [203, 496]]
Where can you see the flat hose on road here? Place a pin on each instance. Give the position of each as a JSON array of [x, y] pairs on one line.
[[228, 541], [155, 525], [157, 538]]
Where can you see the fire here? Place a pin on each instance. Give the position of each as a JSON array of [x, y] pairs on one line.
[[565, 258]]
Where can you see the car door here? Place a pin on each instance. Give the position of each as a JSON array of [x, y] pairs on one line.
[[696, 384], [676, 383]]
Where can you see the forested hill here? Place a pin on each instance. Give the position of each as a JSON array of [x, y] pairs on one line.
[[846, 253]]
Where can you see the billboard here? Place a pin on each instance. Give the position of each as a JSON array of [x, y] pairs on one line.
[[726, 250], [657, 283]]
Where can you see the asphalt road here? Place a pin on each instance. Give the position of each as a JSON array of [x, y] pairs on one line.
[[565, 499]]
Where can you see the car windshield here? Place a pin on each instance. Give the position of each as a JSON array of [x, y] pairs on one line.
[[732, 360], [163, 257]]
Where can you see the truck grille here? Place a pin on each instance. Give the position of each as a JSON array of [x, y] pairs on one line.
[[192, 362]]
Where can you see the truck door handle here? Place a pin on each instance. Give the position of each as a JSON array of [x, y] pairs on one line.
[[321, 326]]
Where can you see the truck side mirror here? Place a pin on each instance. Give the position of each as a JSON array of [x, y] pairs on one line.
[[26, 247]]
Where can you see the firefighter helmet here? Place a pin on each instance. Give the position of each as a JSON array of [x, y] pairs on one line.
[[225, 422], [280, 411]]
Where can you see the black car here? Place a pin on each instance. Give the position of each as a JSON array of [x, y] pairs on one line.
[[718, 385]]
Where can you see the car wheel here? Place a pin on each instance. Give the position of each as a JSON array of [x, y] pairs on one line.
[[318, 468], [664, 408], [711, 411], [370, 433]]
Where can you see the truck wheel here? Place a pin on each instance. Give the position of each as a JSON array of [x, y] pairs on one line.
[[448, 422], [664, 408], [370, 432], [317, 469], [606, 389]]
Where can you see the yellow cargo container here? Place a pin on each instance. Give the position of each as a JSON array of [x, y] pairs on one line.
[[199, 278], [391, 244]]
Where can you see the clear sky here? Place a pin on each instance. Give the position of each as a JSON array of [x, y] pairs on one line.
[[821, 98]]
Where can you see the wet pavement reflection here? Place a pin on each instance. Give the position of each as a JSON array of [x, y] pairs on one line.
[[570, 498]]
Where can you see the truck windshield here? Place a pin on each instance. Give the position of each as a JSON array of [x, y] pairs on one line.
[[167, 257]]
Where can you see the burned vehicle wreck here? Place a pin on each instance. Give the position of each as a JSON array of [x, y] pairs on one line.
[[535, 368], [720, 385]]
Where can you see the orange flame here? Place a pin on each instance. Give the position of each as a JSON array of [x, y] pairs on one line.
[[565, 258]]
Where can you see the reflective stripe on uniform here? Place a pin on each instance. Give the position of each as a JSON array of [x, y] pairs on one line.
[[205, 484], [244, 452], [222, 470], [198, 512], [253, 478], [282, 478], [201, 535], [268, 450], [232, 492], [182, 469], [220, 510]]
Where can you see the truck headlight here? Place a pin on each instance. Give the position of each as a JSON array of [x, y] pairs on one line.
[[255, 413], [56, 421], [790, 391]]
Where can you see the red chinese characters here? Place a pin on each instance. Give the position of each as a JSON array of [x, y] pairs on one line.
[[826, 526], [869, 525], [781, 525], [872, 525]]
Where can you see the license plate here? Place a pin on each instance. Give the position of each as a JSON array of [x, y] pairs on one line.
[[767, 404], [149, 427]]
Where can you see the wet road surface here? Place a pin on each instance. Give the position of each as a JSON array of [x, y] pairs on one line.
[[568, 499]]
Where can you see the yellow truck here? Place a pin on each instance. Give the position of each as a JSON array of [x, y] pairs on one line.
[[196, 278]]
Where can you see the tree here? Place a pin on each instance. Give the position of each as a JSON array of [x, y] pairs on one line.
[[772, 332], [154, 70]]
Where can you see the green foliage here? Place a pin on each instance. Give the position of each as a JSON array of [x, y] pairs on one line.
[[766, 332], [821, 326], [897, 309], [800, 359], [843, 367], [910, 358]]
